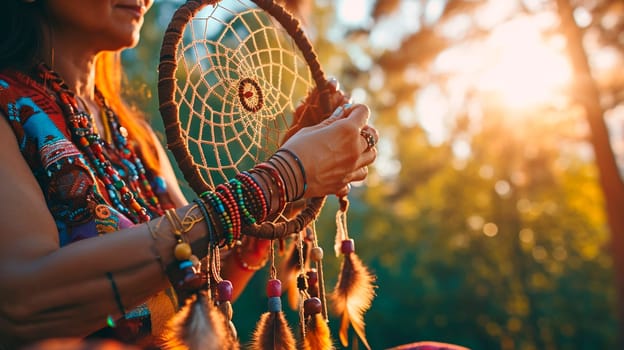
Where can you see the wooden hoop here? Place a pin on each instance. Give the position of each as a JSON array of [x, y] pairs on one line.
[[169, 108]]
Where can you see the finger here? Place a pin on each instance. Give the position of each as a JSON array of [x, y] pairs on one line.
[[366, 158], [358, 175], [333, 83], [344, 191], [359, 114], [338, 113]]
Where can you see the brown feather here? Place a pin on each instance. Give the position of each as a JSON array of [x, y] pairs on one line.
[[317, 336], [273, 333], [198, 325], [353, 296]]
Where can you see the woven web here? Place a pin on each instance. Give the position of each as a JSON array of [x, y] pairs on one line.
[[240, 77]]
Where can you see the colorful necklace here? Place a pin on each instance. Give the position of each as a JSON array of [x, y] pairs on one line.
[[132, 196]]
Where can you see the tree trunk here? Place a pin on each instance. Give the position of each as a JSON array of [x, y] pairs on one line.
[[610, 180]]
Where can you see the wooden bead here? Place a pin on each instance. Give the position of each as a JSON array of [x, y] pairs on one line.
[[274, 288], [183, 251], [316, 254]]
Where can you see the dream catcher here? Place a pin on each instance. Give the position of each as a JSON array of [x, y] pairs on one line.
[[236, 79]]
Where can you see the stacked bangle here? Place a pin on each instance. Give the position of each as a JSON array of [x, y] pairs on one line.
[[276, 178], [301, 169]]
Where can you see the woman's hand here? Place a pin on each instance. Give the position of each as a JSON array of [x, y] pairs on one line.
[[337, 151]]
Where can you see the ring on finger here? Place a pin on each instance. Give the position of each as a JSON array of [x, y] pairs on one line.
[[369, 138]]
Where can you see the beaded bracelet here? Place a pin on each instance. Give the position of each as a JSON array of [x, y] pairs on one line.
[[233, 210], [215, 201], [236, 187], [268, 195], [238, 256], [255, 193], [202, 208]]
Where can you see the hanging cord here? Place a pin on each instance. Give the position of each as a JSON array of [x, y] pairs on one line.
[[319, 270], [302, 284]]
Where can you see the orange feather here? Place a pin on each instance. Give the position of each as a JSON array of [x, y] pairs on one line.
[[317, 336], [353, 296]]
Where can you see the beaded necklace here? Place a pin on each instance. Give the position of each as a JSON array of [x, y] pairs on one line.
[[133, 197]]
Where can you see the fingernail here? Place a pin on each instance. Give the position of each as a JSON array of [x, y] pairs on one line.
[[334, 82], [347, 105], [338, 111]]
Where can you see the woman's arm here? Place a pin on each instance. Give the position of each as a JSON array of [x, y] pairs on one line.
[[50, 292]]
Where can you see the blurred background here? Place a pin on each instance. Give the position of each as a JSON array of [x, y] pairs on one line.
[[494, 216]]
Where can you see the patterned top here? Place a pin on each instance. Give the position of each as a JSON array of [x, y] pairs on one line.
[[76, 197]]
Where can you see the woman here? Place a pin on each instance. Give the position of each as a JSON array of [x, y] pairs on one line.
[[78, 165]]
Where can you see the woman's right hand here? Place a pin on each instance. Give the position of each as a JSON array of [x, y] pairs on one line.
[[334, 152]]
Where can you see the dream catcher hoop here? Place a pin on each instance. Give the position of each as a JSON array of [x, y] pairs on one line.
[[236, 79], [245, 73]]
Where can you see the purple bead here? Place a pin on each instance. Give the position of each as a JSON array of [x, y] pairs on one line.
[[225, 290], [274, 288], [347, 246], [312, 306]]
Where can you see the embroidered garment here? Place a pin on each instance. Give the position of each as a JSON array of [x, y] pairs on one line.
[[76, 196]]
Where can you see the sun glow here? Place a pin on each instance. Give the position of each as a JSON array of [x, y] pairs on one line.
[[524, 70], [515, 64]]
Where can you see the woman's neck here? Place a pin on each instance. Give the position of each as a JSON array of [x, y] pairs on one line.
[[74, 63]]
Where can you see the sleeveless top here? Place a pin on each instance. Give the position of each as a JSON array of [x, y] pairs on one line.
[[76, 198]]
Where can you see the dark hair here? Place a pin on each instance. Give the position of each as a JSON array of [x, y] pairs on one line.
[[22, 35]]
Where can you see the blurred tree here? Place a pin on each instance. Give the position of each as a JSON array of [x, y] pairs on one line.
[[606, 17]]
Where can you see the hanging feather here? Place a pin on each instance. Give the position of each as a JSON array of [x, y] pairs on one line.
[[317, 335], [272, 331], [197, 326], [355, 289]]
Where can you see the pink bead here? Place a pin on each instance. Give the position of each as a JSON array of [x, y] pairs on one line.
[[225, 290], [274, 288], [348, 246], [312, 306]]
